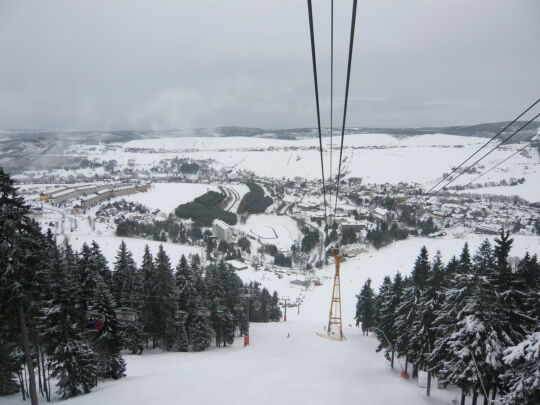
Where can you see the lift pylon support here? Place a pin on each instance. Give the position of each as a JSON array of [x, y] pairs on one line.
[[334, 328], [335, 324]]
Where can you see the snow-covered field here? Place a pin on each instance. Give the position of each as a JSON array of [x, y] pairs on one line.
[[377, 158], [279, 230], [167, 196]]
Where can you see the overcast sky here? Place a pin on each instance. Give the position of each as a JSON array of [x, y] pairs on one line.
[[186, 64]]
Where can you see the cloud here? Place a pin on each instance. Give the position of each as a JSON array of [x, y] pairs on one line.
[[179, 64]]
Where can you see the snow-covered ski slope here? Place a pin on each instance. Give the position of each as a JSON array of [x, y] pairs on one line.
[[302, 368]]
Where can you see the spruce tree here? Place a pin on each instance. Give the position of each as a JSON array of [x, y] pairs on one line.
[[365, 308], [504, 283], [386, 304], [101, 263], [70, 360], [9, 361], [423, 334], [472, 338], [107, 341], [523, 372], [123, 278], [181, 343], [527, 284], [73, 364], [409, 311], [200, 333], [21, 254], [161, 295], [150, 307], [275, 310], [87, 281]]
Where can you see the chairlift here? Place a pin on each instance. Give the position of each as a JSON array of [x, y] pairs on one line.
[[180, 316], [203, 312], [126, 314], [94, 321]]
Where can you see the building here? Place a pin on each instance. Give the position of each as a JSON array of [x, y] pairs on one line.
[[114, 191], [223, 231], [59, 197], [488, 229], [236, 265]]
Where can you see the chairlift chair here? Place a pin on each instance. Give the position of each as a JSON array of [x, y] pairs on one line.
[[203, 312], [126, 314], [94, 321], [180, 316]]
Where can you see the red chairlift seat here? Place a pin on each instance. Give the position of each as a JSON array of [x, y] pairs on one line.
[[94, 321]]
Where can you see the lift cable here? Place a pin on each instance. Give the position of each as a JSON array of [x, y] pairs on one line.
[[537, 138], [491, 151], [314, 60], [331, 91], [477, 151], [351, 43]]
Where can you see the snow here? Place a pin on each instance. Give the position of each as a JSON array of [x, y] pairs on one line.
[[167, 196], [109, 246], [362, 157], [279, 230], [274, 369], [303, 368]]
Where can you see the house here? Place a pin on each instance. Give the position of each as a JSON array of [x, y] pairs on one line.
[[236, 265], [488, 229]]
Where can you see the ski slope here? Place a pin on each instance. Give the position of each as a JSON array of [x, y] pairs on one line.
[[302, 368]]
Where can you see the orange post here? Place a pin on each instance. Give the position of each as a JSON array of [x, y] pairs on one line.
[[246, 341]]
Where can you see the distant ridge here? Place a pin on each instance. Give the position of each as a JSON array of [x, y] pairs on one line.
[[97, 136]]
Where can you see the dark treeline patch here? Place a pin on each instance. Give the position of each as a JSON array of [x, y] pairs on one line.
[[254, 202], [204, 209]]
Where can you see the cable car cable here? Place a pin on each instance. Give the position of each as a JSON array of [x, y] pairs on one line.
[[314, 60], [477, 151], [502, 161], [491, 151], [351, 43], [331, 92]]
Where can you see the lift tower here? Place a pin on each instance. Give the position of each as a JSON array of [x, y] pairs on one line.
[[335, 325], [335, 322]]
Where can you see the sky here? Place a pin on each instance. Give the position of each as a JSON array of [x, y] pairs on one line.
[[112, 65]]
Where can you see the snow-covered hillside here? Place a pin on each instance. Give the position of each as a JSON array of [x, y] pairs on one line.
[[377, 158]]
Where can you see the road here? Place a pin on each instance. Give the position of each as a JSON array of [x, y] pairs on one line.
[[232, 198]]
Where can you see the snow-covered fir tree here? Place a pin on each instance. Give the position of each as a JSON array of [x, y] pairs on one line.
[[365, 308], [107, 341], [523, 374]]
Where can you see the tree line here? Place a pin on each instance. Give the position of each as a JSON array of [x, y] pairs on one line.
[[473, 322], [66, 316]]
